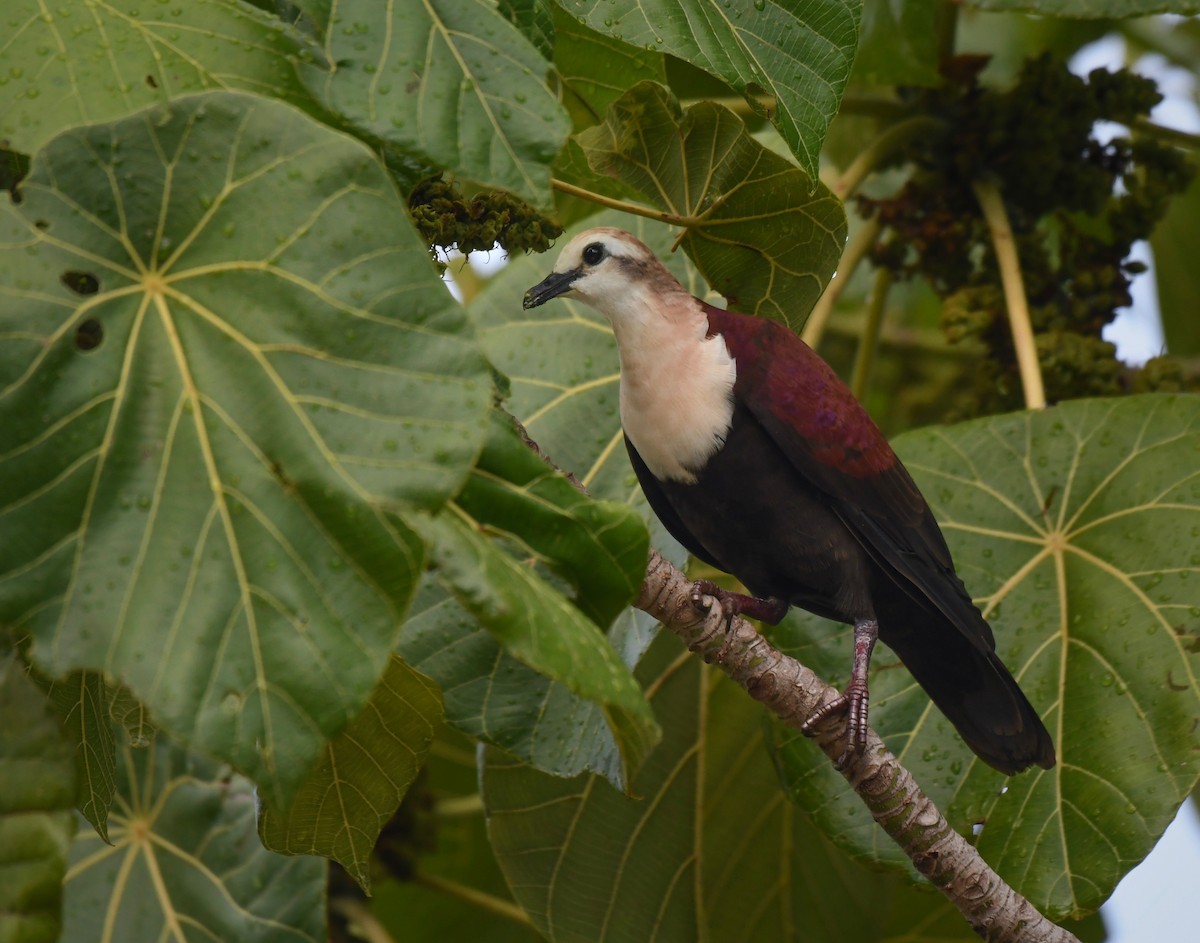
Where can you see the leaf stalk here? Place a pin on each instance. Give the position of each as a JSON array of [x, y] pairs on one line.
[[624, 206], [868, 343], [856, 250], [1015, 300], [881, 148]]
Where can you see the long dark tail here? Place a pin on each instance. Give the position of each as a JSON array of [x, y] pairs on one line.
[[977, 694]]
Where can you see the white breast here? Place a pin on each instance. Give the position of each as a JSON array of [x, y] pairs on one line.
[[676, 393]]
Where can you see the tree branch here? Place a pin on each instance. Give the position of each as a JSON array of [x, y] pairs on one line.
[[792, 692]]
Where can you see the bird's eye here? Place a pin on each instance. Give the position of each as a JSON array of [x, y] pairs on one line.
[[593, 253]]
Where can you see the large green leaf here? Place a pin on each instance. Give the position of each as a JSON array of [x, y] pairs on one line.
[[223, 347], [491, 696], [764, 235], [798, 51], [1091, 9], [599, 547], [1077, 530], [597, 69], [711, 850], [36, 821], [539, 627], [70, 63], [186, 863], [362, 776], [451, 81]]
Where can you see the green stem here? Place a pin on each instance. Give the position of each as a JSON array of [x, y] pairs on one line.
[[476, 898], [735, 103], [460, 806], [1015, 301], [868, 344], [855, 251], [1169, 135], [623, 205], [880, 149]]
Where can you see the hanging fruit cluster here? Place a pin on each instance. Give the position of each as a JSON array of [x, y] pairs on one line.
[[1077, 205], [445, 219]]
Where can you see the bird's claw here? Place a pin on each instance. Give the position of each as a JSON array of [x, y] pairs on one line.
[[854, 704], [769, 610], [725, 599]]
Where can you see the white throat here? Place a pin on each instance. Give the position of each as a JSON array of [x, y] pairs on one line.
[[676, 383]]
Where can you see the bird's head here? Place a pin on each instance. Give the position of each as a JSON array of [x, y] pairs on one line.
[[605, 268]]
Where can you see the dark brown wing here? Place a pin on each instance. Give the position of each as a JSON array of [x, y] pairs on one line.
[[835, 446]]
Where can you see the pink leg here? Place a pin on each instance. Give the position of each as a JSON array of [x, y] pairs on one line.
[[769, 610], [854, 700]]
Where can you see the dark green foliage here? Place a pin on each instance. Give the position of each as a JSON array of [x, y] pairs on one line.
[[1076, 205]]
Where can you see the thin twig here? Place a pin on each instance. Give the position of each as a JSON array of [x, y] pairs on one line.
[[868, 343], [1015, 301], [855, 251], [792, 692]]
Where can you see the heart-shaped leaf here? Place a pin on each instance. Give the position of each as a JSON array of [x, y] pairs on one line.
[[224, 347], [362, 776], [798, 51], [1077, 529]]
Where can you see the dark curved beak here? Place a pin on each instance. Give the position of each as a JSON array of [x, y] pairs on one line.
[[553, 285]]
